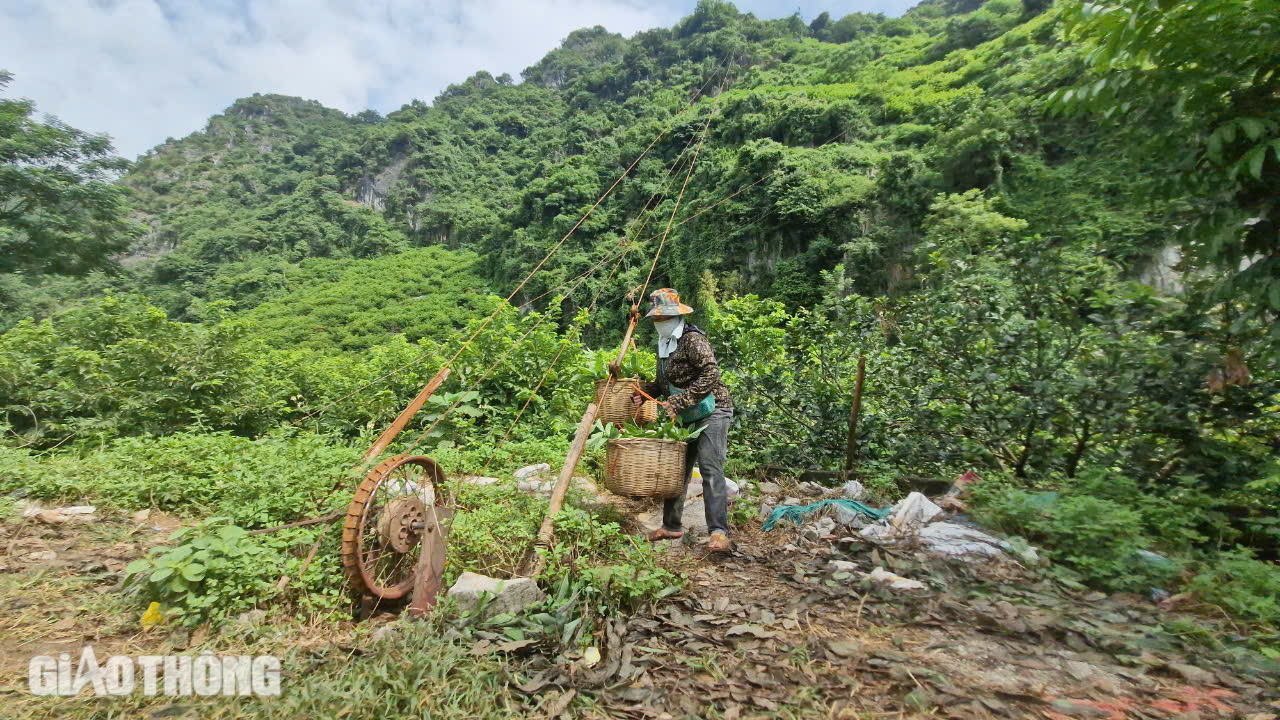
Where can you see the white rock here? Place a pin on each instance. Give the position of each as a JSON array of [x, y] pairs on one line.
[[478, 480], [252, 617], [141, 516], [792, 501], [510, 595], [31, 510], [880, 576], [842, 566], [530, 470], [810, 488], [78, 510], [825, 527], [853, 490], [765, 511], [770, 488], [41, 555], [385, 632], [51, 517]]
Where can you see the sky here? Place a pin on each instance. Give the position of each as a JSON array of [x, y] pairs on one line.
[[145, 70]]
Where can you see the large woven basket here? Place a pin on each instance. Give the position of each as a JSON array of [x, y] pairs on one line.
[[616, 406], [645, 467]]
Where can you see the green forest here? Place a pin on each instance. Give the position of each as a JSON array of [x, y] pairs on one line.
[[1045, 227]]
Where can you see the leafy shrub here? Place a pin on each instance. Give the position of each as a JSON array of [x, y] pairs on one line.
[[595, 364], [253, 482], [218, 572], [493, 529], [1096, 537], [617, 572], [1247, 587]]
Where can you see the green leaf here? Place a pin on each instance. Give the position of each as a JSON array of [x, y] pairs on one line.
[[1255, 158], [161, 574], [193, 572]]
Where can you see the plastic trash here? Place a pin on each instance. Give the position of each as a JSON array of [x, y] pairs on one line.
[[796, 513], [913, 513], [1153, 559], [853, 490], [152, 616], [963, 483]]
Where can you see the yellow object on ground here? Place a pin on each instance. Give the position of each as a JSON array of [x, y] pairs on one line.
[[152, 616]]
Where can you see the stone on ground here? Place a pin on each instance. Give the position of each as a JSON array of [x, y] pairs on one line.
[[480, 480], [509, 595], [531, 470], [770, 488], [880, 576]]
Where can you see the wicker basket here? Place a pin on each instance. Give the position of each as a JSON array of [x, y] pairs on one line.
[[616, 406], [645, 467]]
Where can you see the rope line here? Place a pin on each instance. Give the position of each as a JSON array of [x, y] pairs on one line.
[[537, 267], [679, 197]]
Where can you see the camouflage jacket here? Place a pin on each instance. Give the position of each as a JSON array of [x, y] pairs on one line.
[[692, 366]]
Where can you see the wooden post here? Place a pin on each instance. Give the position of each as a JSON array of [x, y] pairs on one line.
[[851, 450], [535, 563], [402, 419]]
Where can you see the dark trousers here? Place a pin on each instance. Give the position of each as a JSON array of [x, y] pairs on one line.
[[708, 452]]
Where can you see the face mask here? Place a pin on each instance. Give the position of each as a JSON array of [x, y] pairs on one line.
[[666, 327]]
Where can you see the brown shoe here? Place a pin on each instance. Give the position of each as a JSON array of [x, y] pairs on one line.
[[664, 534], [719, 542]]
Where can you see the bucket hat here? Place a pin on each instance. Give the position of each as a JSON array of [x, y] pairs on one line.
[[666, 303]]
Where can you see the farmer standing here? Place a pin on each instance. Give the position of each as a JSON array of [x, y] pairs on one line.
[[689, 378]]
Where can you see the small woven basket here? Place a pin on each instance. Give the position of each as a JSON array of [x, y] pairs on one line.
[[616, 406], [645, 467]]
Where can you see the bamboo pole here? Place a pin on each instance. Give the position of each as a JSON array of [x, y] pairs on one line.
[[537, 562], [615, 367], [851, 450]]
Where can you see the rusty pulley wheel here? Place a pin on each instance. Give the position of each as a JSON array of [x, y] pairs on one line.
[[390, 523]]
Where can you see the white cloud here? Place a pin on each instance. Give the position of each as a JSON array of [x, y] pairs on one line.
[[144, 70]]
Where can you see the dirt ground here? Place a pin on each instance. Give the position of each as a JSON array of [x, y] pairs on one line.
[[770, 630], [769, 627]]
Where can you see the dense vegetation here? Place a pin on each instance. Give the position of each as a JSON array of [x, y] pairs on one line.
[[988, 203]]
